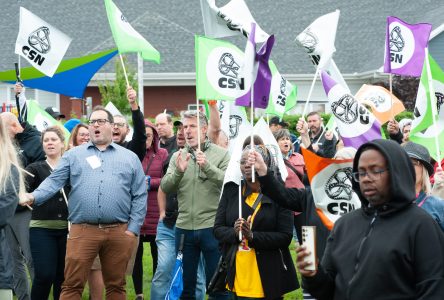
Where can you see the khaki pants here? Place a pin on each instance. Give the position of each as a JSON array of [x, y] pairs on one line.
[[114, 248]]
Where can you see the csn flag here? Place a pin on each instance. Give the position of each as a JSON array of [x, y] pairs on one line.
[[331, 185], [381, 101], [40, 43], [355, 123], [38, 117], [126, 37], [229, 20], [234, 122], [319, 37], [405, 47]]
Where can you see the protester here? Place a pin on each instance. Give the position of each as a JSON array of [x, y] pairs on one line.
[[27, 139], [153, 162], [55, 113], [263, 267], [300, 200], [314, 137], [382, 250], [275, 124], [165, 236], [107, 206], [79, 136], [420, 157], [11, 189], [49, 222], [294, 162], [196, 174], [399, 132], [164, 126], [136, 145]]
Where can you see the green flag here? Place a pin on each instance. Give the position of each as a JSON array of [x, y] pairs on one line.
[[38, 117], [423, 107], [427, 139], [217, 68], [127, 39], [282, 93]]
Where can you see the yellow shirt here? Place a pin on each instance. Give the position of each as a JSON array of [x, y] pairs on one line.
[[247, 281]]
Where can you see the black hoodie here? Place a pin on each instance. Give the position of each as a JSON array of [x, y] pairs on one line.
[[394, 251]]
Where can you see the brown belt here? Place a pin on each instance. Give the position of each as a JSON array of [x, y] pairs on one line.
[[104, 225]]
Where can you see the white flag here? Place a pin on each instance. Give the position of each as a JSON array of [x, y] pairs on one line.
[[229, 20], [233, 122], [40, 43], [319, 37]]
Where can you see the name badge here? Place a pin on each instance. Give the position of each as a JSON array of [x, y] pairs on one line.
[[94, 161]]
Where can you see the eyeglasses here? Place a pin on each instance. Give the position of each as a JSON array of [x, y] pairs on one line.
[[100, 122], [120, 125], [373, 175], [84, 134]]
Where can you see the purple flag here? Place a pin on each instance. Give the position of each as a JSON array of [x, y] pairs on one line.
[[356, 124], [405, 47], [256, 72]]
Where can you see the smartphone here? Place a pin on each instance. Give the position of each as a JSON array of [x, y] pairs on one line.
[[309, 241]]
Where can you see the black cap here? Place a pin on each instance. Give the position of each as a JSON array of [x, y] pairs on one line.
[[420, 153], [177, 123], [278, 121], [54, 112]]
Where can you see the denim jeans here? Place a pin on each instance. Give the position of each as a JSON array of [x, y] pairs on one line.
[[48, 249], [166, 249], [197, 242]]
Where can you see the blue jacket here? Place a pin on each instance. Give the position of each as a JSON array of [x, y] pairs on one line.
[[434, 206]]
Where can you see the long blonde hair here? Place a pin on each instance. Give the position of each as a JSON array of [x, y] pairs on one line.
[[8, 155]]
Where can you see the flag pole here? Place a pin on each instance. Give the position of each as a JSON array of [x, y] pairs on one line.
[[240, 207], [252, 124], [391, 95], [432, 94], [198, 123], [124, 70], [310, 91]]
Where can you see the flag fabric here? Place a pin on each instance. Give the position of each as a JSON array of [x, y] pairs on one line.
[[256, 72], [355, 123], [126, 37], [331, 185], [261, 129], [38, 117], [283, 95], [217, 69], [319, 37], [40, 43], [70, 79], [424, 101], [381, 101], [405, 47], [234, 122], [332, 126], [230, 20]]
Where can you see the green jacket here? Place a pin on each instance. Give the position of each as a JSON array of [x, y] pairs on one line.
[[198, 189]]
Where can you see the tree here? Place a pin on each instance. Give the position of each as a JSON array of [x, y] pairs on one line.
[[115, 91]]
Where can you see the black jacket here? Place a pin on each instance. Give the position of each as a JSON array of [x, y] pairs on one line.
[[300, 200], [53, 209], [393, 251], [8, 202], [272, 233], [30, 145], [327, 148], [138, 142]]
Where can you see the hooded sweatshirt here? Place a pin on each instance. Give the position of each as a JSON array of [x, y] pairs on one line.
[[394, 251], [152, 165]]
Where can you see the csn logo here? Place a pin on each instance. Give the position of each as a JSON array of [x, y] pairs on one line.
[[39, 44], [229, 69]]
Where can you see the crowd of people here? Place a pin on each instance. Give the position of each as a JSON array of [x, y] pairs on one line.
[[88, 205]]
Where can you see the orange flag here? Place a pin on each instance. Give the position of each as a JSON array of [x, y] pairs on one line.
[[331, 185], [380, 101]]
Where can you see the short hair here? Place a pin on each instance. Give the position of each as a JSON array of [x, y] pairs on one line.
[[314, 113], [257, 140], [281, 133], [192, 114], [101, 108], [123, 117], [167, 116]]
